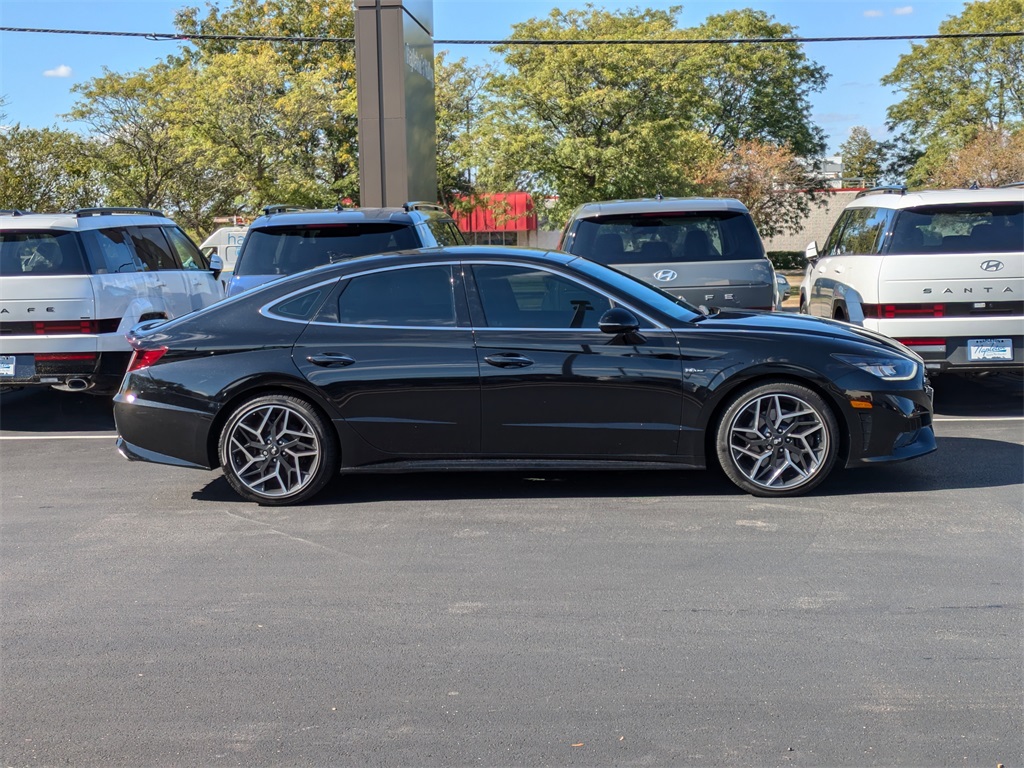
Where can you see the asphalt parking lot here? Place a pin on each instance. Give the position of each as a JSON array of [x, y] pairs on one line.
[[151, 618]]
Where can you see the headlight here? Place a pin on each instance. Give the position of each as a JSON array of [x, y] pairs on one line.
[[885, 367]]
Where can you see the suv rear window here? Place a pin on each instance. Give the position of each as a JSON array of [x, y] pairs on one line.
[[287, 250], [986, 228], [40, 253], [653, 238]]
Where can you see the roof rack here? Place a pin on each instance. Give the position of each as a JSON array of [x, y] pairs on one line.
[[12, 212], [890, 189], [82, 212], [270, 210], [418, 205]]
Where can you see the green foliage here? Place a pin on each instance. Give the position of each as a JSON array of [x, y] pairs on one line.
[[457, 93], [47, 170], [753, 92], [787, 259], [863, 156], [953, 88]]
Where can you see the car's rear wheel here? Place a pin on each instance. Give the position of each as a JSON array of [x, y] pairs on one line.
[[777, 439], [277, 449]]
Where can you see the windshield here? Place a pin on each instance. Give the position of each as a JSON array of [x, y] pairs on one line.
[[40, 253], [653, 297], [657, 238], [287, 250], [974, 228]]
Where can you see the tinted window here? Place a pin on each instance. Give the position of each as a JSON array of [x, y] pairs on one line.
[[287, 250], [152, 248], [864, 230], [40, 253], [417, 296], [190, 256], [300, 307], [989, 228], [445, 232], [113, 251], [833, 237], [519, 297], [672, 237]]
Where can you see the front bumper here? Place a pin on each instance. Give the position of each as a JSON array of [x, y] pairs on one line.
[[896, 427]]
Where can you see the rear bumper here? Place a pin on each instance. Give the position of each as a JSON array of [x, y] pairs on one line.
[[73, 371], [162, 433]]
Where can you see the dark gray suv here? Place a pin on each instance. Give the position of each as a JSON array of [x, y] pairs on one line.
[[704, 250], [288, 240]]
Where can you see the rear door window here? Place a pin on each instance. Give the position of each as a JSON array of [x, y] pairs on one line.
[[291, 249], [152, 249], [653, 238], [41, 253], [420, 297]]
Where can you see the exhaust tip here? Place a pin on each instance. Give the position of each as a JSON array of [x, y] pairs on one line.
[[74, 385]]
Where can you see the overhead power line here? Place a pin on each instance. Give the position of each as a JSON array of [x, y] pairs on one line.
[[179, 37]]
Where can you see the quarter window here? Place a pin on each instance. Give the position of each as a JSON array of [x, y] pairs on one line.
[[519, 297], [412, 297]]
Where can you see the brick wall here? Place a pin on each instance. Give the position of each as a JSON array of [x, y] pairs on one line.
[[816, 226]]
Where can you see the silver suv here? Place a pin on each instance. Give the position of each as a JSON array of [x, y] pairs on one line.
[[72, 284], [287, 240], [705, 250]]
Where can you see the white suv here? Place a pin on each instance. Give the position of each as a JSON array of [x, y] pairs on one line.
[[72, 284], [940, 271]]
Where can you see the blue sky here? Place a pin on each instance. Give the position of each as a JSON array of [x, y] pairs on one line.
[[38, 71]]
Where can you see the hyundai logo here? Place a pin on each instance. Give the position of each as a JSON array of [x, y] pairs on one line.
[[992, 265], [665, 275]]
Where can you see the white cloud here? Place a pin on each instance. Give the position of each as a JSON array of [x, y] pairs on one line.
[[874, 14], [62, 71], [905, 10]]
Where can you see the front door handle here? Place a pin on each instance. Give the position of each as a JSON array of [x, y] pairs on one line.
[[328, 359], [508, 360]]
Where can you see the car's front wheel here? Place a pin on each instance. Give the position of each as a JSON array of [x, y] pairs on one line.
[[277, 449], [777, 439]]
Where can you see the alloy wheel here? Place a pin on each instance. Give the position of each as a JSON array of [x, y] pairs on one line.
[[273, 450]]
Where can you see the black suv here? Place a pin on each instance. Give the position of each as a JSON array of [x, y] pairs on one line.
[[287, 240]]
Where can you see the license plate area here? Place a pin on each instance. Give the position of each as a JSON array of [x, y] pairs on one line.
[[980, 350], [7, 363]]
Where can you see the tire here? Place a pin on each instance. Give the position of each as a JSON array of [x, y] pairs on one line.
[[277, 450], [777, 439]]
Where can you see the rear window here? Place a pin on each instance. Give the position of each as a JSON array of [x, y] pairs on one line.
[[40, 253], [654, 238], [977, 228], [287, 250]]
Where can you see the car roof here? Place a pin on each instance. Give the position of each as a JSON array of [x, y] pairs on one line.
[[894, 198], [285, 217], [82, 219], [656, 205]]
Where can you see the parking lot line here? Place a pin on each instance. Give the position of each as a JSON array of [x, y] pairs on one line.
[[109, 436]]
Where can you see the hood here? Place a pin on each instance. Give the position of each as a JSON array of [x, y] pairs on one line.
[[776, 323]]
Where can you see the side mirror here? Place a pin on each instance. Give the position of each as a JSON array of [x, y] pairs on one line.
[[618, 320], [216, 264], [811, 251]]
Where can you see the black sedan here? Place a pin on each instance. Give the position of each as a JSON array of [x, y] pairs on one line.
[[494, 358]]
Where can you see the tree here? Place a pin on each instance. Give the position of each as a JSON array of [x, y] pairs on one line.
[[457, 99], [771, 181], [862, 156], [589, 122], [47, 170], [753, 92], [954, 88], [313, 95], [991, 159]]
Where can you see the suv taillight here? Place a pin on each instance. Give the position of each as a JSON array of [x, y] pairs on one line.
[[890, 311], [143, 358]]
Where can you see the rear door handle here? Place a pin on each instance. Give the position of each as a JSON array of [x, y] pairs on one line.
[[508, 360], [329, 359]]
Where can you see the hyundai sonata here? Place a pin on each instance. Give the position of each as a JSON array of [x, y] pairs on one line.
[[494, 358]]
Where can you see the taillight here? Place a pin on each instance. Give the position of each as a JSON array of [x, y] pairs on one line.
[[923, 342], [890, 311], [44, 327], [143, 358], [49, 357]]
